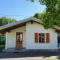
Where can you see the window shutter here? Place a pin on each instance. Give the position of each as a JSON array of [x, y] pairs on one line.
[[36, 37], [47, 38]]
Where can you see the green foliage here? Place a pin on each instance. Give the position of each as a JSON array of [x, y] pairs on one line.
[[4, 21], [46, 19], [51, 17]]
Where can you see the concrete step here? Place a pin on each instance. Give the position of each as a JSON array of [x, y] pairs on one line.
[[14, 50]]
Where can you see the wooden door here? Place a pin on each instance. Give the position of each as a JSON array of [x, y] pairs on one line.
[[19, 39]]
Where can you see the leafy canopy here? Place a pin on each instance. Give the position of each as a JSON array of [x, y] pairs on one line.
[[5, 20], [51, 16]]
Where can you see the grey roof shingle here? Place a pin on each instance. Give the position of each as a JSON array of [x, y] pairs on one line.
[[23, 21], [20, 22]]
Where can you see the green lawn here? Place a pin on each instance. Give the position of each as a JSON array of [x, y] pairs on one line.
[[1, 47]]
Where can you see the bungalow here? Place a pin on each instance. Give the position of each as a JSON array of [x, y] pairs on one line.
[[30, 34]]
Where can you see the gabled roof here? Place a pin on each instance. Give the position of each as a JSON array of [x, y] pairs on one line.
[[56, 27], [21, 22]]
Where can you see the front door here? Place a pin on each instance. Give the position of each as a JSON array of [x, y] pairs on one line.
[[19, 39]]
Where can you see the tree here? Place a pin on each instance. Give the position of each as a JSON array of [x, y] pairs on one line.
[[5, 20], [51, 16]]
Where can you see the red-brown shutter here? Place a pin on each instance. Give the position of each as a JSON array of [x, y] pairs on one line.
[[47, 38], [36, 37]]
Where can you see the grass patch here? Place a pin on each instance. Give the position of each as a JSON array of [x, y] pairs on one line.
[[2, 47]]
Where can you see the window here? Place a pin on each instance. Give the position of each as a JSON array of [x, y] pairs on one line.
[[41, 37]]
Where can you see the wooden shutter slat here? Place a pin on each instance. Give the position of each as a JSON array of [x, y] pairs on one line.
[[47, 38], [36, 37]]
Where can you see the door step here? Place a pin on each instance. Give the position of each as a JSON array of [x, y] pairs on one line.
[[14, 50]]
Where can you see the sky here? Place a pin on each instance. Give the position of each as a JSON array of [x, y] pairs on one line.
[[19, 9]]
